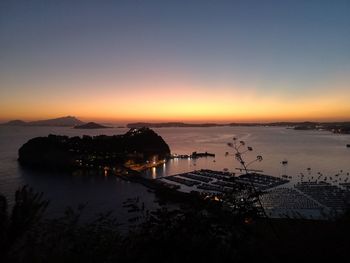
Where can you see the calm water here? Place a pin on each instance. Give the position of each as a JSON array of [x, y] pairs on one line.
[[321, 151]]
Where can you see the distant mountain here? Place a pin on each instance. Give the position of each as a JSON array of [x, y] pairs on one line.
[[67, 121], [91, 125], [63, 121], [15, 123]]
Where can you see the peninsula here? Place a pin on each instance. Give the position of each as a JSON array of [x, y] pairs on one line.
[[335, 127], [137, 149]]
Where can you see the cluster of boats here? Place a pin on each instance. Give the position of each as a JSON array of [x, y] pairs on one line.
[[194, 155]]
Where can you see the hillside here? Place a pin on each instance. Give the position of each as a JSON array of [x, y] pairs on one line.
[[91, 125], [56, 152], [68, 121]]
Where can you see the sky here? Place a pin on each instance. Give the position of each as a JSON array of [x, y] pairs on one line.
[[190, 60]]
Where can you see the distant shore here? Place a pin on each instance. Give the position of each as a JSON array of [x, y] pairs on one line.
[[70, 121], [335, 127]]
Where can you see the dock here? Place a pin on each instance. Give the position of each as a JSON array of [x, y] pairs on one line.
[[311, 200], [218, 183], [194, 155]]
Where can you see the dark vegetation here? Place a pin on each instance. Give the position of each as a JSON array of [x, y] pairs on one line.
[[67, 153], [198, 232]]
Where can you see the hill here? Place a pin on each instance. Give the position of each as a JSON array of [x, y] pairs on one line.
[[91, 125], [54, 152], [62, 121], [15, 123], [68, 121]]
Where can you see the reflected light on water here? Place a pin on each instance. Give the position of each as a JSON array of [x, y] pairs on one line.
[[154, 173], [164, 168]]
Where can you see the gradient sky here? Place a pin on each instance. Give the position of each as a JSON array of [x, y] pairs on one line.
[[144, 60]]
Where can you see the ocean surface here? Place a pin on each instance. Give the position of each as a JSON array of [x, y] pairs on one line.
[[307, 152]]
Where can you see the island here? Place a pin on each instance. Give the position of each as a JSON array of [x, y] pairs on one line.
[[67, 121], [15, 123], [136, 150], [91, 125]]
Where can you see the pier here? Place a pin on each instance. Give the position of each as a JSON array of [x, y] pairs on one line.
[[304, 200], [217, 182], [194, 155]]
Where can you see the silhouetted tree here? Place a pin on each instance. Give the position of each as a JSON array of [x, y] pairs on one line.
[[26, 212], [250, 195]]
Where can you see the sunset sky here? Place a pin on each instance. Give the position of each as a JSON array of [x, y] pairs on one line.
[[144, 60]]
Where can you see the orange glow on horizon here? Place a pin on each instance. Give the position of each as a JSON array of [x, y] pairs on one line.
[[181, 101]]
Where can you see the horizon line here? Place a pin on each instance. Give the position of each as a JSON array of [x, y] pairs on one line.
[[198, 121]]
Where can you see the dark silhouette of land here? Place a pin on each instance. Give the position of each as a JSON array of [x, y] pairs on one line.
[[55, 152], [336, 127], [15, 123], [91, 125], [68, 121], [170, 124]]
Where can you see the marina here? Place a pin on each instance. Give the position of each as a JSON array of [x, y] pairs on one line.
[[194, 155], [279, 198], [213, 140], [211, 182], [174, 131], [331, 196]]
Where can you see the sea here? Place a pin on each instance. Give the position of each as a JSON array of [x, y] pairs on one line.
[[284, 151]]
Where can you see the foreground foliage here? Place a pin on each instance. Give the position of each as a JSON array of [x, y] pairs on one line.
[[203, 232]]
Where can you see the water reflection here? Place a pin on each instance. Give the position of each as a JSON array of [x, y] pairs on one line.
[[154, 173], [324, 153]]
